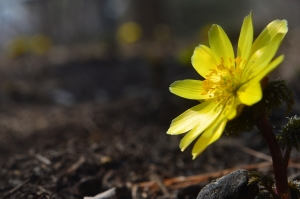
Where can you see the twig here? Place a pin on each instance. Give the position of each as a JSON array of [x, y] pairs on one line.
[[293, 164], [134, 190], [44, 190], [15, 188], [295, 175], [264, 156], [180, 182], [110, 193], [161, 185], [254, 153], [43, 159], [76, 165]]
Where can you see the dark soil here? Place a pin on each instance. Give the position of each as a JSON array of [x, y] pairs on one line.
[[98, 126]]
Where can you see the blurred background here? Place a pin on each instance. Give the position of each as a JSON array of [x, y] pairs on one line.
[[95, 74], [70, 51]]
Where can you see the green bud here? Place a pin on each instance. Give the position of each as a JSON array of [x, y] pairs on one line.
[[289, 134], [295, 189], [276, 93]]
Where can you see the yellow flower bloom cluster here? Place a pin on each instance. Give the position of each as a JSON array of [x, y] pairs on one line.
[[230, 82]]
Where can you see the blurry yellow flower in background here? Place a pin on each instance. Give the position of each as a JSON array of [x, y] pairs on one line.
[[129, 33], [37, 44], [230, 81], [17, 46]]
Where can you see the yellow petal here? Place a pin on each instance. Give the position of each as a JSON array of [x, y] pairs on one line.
[[196, 131], [202, 60], [250, 93], [272, 29], [246, 38], [268, 68], [234, 109], [221, 46], [209, 136], [261, 58], [190, 89], [199, 114]]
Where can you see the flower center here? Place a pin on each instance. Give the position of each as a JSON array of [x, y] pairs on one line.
[[223, 81]]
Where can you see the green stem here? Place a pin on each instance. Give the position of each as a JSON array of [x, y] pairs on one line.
[[280, 170]]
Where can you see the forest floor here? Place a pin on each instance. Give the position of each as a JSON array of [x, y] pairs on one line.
[[85, 128]]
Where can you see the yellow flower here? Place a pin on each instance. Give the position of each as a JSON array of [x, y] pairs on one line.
[[129, 33], [230, 82]]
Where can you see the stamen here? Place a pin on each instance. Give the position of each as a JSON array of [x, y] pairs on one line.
[[223, 82], [238, 60]]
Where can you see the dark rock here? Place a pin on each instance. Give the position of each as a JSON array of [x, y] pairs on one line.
[[232, 186]]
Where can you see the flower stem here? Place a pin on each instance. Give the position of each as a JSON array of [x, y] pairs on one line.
[[287, 155], [279, 164]]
